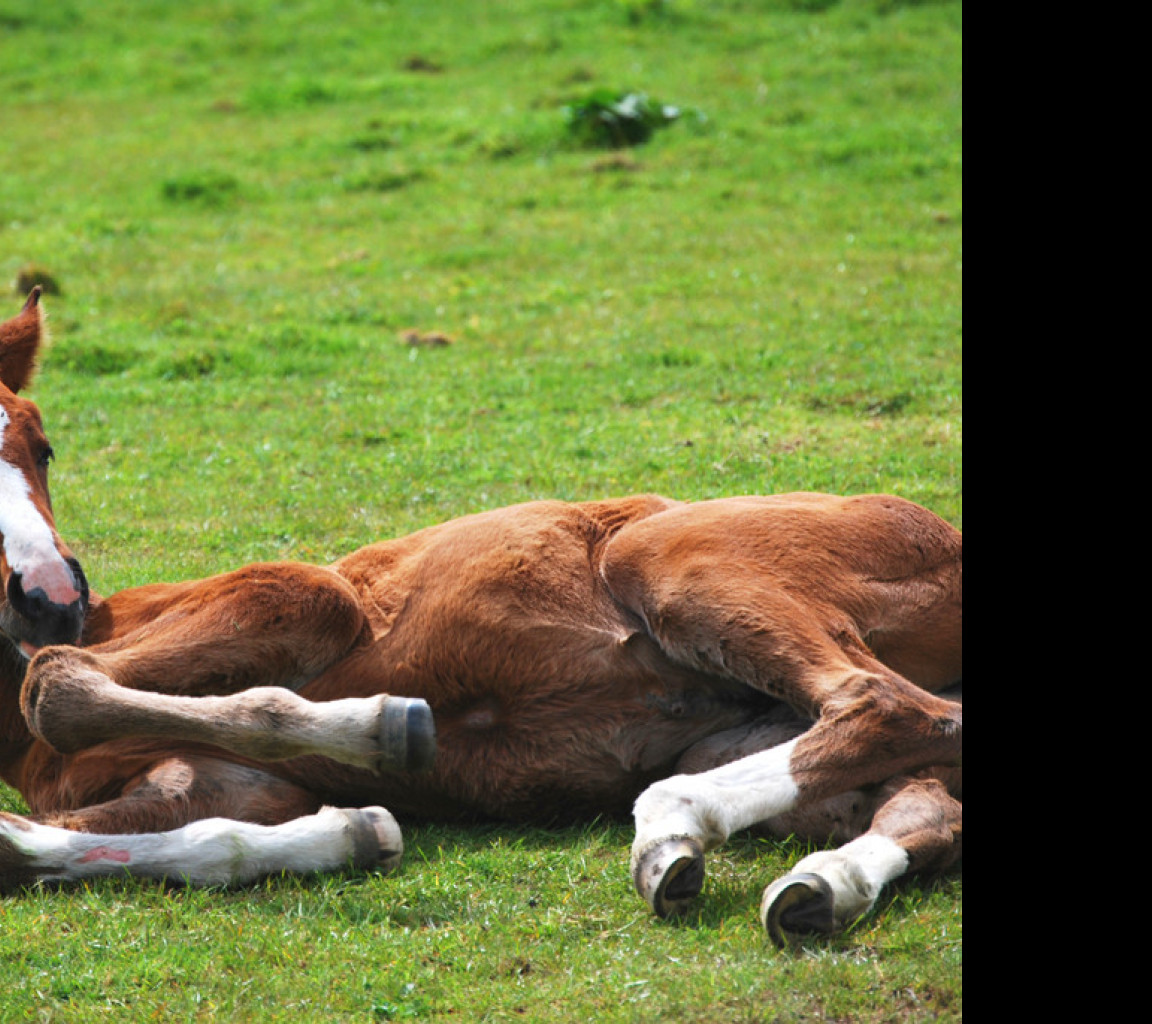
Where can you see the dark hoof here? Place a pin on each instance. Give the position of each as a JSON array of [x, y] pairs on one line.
[[796, 906], [378, 842], [407, 735], [670, 874]]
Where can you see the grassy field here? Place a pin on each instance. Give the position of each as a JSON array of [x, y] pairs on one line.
[[249, 207]]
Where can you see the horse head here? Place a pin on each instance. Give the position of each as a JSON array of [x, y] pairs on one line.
[[43, 593]]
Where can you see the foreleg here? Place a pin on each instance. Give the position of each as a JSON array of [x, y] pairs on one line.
[[277, 623], [70, 703], [214, 851], [191, 816]]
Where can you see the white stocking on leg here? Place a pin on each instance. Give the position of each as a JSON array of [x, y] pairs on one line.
[[214, 851]]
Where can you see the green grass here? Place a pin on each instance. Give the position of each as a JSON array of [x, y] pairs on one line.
[[245, 204], [484, 924]]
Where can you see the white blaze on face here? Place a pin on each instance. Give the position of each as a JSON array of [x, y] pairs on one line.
[[29, 546]]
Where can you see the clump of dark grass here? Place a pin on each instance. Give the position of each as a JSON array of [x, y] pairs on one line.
[[32, 274], [611, 119], [207, 188]]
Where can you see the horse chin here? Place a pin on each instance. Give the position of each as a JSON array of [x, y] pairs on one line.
[[17, 638]]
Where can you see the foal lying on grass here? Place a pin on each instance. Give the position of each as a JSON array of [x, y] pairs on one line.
[[772, 662]]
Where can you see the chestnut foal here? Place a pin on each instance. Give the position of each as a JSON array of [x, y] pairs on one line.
[[772, 662]]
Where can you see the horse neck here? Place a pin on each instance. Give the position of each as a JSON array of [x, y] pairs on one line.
[[16, 738]]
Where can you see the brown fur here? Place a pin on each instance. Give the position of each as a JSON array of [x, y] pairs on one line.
[[572, 654], [24, 337]]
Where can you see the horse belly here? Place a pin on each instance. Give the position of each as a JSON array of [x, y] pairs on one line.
[[562, 746], [550, 699]]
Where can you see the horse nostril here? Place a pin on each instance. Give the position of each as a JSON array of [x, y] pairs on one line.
[[31, 604], [15, 590], [80, 579]]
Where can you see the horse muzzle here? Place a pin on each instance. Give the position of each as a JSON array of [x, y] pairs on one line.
[[36, 616]]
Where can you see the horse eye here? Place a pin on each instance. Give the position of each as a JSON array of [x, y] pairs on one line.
[[46, 456]]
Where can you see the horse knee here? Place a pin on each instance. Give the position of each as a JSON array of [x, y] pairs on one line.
[[60, 695], [873, 728]]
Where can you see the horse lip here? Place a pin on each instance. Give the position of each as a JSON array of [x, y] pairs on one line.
[[26, 635]]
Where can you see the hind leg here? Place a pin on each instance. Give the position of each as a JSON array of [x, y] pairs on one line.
[[917, 826], [870, 726], [679, 818], [908, 825], [782, 603]]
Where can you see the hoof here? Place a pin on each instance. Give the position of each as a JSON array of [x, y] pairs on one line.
[[796, 906], [670, 874], [407, 735], [377, 840]]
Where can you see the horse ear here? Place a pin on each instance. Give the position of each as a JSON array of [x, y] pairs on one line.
[[21, 338]]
